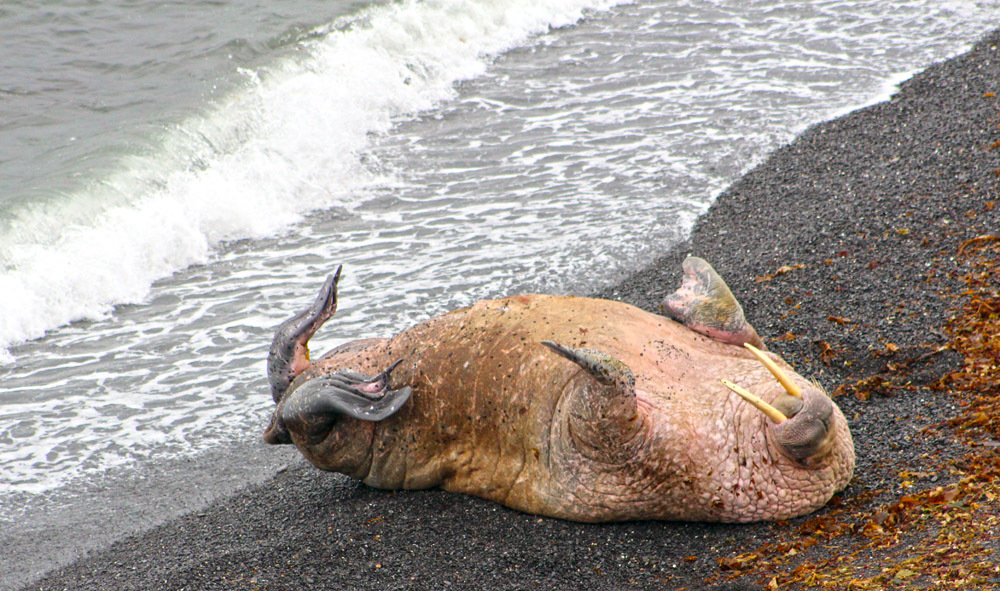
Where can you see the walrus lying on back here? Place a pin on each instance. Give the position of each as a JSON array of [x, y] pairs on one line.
[[584, 409]]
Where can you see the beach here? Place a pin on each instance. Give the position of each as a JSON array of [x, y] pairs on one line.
[[843, 248]]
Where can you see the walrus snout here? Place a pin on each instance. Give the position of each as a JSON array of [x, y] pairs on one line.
[[802, 419], [809, 436]]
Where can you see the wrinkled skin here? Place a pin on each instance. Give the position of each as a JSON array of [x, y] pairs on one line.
[[577, 408]]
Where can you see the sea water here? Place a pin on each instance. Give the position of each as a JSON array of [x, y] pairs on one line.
[[178, 178]]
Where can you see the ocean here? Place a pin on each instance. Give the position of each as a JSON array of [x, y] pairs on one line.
[[178, 178]]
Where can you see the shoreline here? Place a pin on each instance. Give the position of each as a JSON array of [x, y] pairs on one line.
[[864, 212]]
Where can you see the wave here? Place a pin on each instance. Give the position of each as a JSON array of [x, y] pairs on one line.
[[288, 142]]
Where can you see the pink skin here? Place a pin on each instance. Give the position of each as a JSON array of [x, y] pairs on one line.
[[704, 304], [301, 360], [497, 414]]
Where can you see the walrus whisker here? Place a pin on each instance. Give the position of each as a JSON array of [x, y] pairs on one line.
[[772, 413], [779, 374]]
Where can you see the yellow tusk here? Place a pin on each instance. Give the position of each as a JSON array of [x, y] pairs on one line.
[[772, 413], [786, 382]]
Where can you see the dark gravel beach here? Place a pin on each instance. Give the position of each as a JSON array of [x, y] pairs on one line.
[[841, 247]]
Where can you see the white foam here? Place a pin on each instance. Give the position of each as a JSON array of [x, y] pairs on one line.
[[886, 90], [286, 144]]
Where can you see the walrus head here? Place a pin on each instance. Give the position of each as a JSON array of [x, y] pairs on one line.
[[801, 417]]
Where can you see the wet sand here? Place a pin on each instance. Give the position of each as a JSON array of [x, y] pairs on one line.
[[838, 245]]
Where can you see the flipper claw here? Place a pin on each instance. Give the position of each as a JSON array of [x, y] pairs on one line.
[[603, 413], [605, 368]]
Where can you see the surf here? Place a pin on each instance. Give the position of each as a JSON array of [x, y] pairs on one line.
[[286, 142]]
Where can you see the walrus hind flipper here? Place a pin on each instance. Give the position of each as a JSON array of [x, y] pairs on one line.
[[314, 406], [705, 304], [289, 353]]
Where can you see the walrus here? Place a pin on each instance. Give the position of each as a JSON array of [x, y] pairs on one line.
[[576, 408]]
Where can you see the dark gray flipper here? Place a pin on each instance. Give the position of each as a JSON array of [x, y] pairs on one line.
[[604, 415], [312, 408], [289, 353], [350, 393], [705, 304], [605, 368]]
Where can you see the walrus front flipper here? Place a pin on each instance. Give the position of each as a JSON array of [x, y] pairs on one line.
[[312, 408], [704, 304], [603, 413]]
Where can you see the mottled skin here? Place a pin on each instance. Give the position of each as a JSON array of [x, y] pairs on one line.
[[494, 412]]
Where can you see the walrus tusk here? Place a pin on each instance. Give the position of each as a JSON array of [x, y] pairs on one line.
[[772, 413], [786, 382]]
